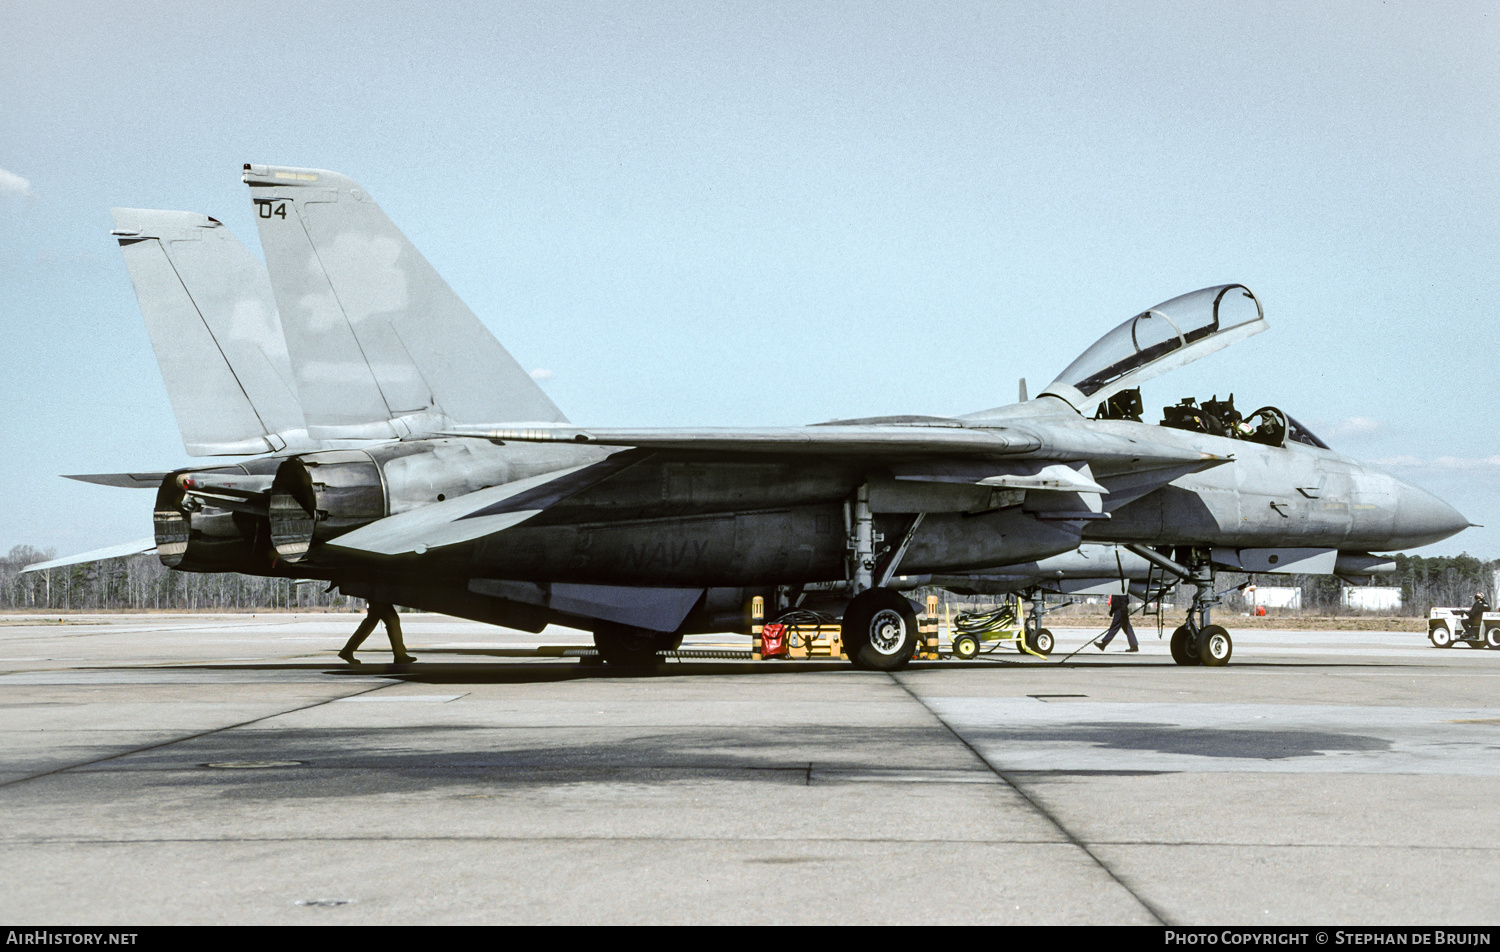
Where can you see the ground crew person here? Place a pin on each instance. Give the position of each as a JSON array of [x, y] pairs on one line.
[[1475, 622], [1119, 617], [378, 612]]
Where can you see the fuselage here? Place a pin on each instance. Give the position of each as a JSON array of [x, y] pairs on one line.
[[741, 520]]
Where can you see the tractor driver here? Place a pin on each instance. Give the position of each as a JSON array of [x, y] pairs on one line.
[[1475, 622]]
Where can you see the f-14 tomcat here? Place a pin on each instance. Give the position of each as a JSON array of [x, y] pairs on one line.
[[411, 460]]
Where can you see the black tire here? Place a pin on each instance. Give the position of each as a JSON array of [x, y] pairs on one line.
[[1492, 636], [1040, 641], [1214, 646], [879, 630], [965, 647], [1184, 652], [624, 646]]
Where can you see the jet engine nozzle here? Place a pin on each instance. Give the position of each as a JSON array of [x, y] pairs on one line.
[[197, 536], [172, 524], [319, 496]]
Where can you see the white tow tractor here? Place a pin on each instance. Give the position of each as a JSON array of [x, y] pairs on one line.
[[1445, 628]]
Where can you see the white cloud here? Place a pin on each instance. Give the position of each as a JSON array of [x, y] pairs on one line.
[[1355, 426], [541, 373], [13, 184]]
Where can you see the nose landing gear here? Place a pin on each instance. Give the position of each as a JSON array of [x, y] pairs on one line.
[[1198, 641], [1039, 640]]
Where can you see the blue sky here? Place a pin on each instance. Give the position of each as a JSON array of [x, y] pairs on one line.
[[780, 213]]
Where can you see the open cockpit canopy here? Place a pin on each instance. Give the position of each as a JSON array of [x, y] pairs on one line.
[[1163, 338]]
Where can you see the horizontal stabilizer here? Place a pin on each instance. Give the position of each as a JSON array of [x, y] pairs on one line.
[[122, 480], [137, 547]]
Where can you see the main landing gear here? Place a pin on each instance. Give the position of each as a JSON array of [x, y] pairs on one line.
[[879, 628]]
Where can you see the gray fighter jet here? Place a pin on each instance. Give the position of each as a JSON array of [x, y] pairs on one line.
[[489, 505], [209, 310]]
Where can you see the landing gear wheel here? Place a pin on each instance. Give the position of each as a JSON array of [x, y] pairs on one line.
[[879, 630], [632, 647], [965, 647], [1440, 637], [1214, 647], [1184, 651], [1040, 641]]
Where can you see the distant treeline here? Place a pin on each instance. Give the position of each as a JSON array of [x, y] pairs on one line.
[[142, 582], [1424, 581]]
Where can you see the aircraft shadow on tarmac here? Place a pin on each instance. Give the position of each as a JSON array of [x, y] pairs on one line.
[[486, 760], [480, 759], [1193, 741]]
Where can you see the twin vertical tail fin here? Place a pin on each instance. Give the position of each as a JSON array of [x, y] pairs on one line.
[[213, 324], [380, 345]]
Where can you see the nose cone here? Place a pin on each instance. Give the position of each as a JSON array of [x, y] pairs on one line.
[[1422, 518]]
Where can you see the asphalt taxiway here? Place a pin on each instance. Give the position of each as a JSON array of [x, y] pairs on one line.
[[229, 769]]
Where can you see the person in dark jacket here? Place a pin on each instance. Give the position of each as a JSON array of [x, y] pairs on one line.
[[1119, 617], [1475, 621], [378, 612]]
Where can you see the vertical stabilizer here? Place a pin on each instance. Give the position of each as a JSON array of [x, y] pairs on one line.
[[212, 319], [380, 344]]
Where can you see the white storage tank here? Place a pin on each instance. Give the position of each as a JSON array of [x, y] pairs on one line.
[[1269, 596]]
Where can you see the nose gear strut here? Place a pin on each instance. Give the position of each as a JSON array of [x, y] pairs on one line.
[[1197, 641]]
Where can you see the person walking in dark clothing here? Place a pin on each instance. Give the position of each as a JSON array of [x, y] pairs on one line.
[[1119, 617], [378, 612]]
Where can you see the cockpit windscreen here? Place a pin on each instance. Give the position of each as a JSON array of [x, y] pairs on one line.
[[1155, 333], [1297, 433]]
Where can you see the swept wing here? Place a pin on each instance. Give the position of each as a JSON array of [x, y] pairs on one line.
[[1033, 442]]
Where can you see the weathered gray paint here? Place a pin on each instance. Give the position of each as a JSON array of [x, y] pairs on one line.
[[492, 506]]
